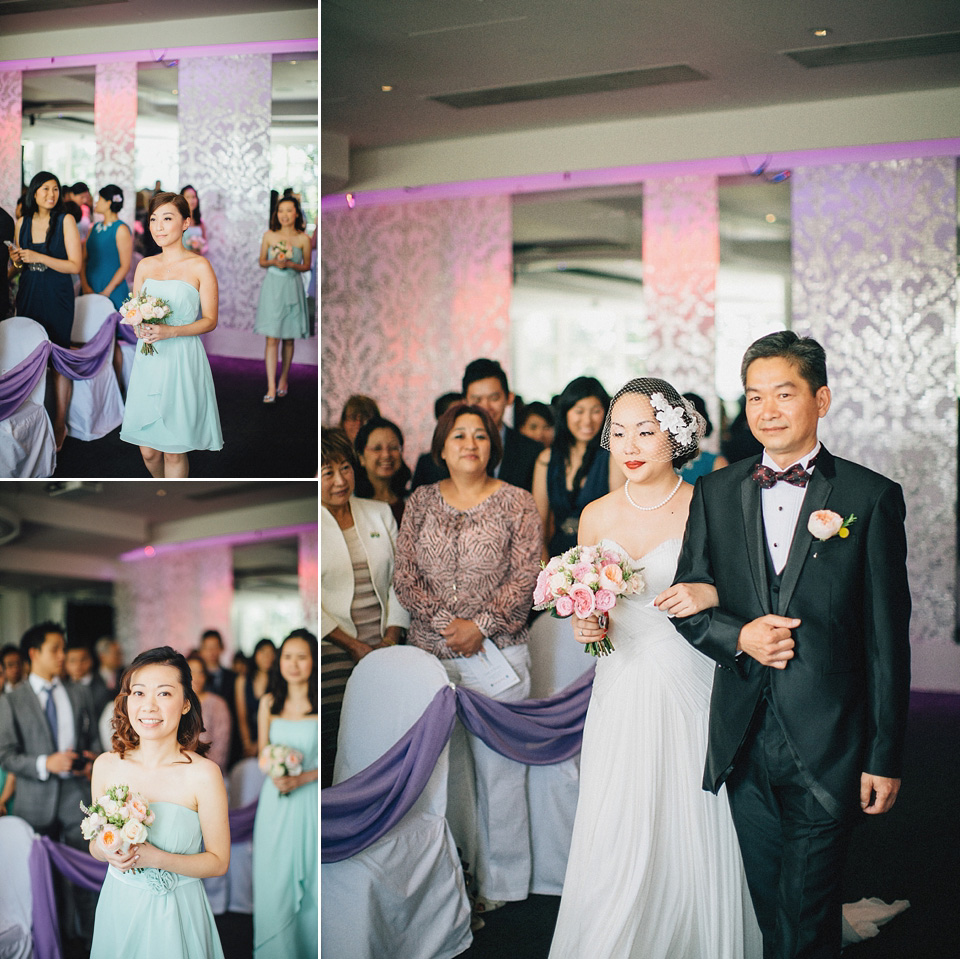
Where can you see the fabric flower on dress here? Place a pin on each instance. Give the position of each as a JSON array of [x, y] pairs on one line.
[[159, 881]]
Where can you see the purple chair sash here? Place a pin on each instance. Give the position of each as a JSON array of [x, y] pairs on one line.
[[18, 383], [126, 332], [361, 809], [85, 871]]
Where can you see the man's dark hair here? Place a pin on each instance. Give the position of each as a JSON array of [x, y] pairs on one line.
[[214, 634], [33, 638], [7, 650], [483, 369], [804, 352], [442, 403]]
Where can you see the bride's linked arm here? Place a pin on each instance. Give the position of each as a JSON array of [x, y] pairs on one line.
[[685, 599]]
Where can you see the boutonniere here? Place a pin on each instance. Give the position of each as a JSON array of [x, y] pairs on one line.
[[824, 524]]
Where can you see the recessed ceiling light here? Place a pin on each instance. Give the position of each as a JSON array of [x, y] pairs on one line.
[[386, 88], [820, 31], [770, 218]]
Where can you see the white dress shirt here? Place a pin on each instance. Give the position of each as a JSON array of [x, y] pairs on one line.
[[66, 733], [781, 509]]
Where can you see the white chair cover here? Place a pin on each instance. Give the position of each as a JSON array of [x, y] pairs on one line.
[[403, 896], [27, 447], [556, 660], [243, 788], [16, 899], [97, 406]]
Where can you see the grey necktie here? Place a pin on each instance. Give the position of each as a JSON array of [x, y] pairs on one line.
[[51, 711]]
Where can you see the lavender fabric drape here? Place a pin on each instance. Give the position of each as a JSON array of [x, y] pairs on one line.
[[85, 871], [361, 809], [126, 333], [82, 364]]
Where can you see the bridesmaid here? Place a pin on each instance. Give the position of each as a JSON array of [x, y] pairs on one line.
[[171, 405], [285, 832], [109, 250], [49, 246], [195, 236], [282, 310]]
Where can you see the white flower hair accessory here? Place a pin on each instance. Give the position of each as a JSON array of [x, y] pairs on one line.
[[674, 419], [117, 198]]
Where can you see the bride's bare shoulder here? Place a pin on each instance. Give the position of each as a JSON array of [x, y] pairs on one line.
[[599, 518]]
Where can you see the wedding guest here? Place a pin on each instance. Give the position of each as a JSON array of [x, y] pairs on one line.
[[282, 308], [467, 561], [382, 475], [239, 663], [425, 469], [8, 786], [356, 411], [250, 689], [706, 462], [536, 421], [217, 725], [359, 610], [195, 236], [110, 658], [575, 470], [48, 254], [79, 669], [11, 667], [108, 252], [171, 403], [79, 194], [285, 832], [152, 904], [221, 680]]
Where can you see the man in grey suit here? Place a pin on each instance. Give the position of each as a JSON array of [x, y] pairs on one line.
[[48, 740]]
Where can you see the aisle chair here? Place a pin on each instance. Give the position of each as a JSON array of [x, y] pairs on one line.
[[556, 660], [27, 446], [246, 778], [16, 898], [403, 896], [96, 407]]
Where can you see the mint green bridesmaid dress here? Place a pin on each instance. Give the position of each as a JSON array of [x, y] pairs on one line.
[[282, 307], [171, 403], [285, 849], [155, 914]]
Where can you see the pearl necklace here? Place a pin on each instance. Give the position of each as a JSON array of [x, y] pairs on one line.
[[649, 509]]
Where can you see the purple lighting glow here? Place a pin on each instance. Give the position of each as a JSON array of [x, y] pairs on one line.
[[226, 539]]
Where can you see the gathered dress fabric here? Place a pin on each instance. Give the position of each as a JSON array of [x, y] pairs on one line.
[[171, 401], [282, 307], [285, 849], [103, 261], [155, 914], [46, 295], [654, 870]]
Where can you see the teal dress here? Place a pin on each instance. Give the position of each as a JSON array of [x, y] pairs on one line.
[[3, 780], [171, 403], [155, 914], [103, 261], [282, 308], [285, 846]]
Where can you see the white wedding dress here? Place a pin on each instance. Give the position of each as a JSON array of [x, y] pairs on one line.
[[654, 869]]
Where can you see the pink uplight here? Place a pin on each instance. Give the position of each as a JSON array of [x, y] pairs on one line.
[[227, 539]]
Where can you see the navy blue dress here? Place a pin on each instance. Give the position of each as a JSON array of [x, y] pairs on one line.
[[46, 295], [567, 506]]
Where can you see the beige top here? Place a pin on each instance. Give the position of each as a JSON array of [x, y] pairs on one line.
[[365, 607]]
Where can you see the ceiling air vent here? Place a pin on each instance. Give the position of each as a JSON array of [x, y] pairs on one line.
[[572, 87], [899, 48]]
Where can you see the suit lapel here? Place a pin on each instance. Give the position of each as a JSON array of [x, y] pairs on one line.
[[756, 539], [818, 493]]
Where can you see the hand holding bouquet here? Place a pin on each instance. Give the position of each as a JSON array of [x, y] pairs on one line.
[[277, 761], [140, 308], [281, 251], [586, 580], [117, 820]]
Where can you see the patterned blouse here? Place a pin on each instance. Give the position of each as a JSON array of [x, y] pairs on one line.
[[479, 564]]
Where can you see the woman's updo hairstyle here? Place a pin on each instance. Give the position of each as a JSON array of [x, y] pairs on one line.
[[177, 199], [114, 196]]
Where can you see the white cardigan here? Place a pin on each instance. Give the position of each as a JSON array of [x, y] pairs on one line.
[[377, 530]]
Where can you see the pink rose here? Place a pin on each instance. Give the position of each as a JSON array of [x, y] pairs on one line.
[[824, 523], [605, 599], [588, 554], [610, 556], [541, 592], [611, 577], [583, 601], [564, 606], [580, 571], [137, 808]]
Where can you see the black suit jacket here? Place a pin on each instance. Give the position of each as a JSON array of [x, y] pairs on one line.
[[516, 468], [842, 700]]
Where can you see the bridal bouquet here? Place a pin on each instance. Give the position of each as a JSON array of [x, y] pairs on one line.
[[140, 308], [118, 819], [277, 760], [586, 580]]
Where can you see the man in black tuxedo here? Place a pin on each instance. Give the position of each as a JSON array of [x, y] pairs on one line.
[[811, 639], [485, 385], [223, 682]]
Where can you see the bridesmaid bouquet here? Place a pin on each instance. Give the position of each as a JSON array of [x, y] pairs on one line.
[[281, 250], [277, 760], [140, 308], [118, 819], [586, 580]]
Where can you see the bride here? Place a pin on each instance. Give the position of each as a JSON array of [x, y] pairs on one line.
[[654, 870]]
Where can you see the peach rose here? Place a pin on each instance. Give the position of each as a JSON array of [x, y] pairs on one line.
[[110, 839], [611, 577], [824, 523], [134, 831]]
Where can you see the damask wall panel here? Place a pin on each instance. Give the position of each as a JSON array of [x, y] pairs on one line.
[[115, 127], [410, 294], [224, 112], [171, 598], [681, 253], [11, 128], [875, 270], [308, 578]]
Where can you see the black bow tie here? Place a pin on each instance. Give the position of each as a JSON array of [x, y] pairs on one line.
[[796, 475]]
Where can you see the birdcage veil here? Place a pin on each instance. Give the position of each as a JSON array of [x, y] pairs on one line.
[[676, 416]]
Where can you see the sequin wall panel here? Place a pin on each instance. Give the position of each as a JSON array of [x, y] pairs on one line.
[[171, 598], [874, 280], [11, 128], [225, 153], [412, 293], [307, 575], [115, 126], [681, 252]]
